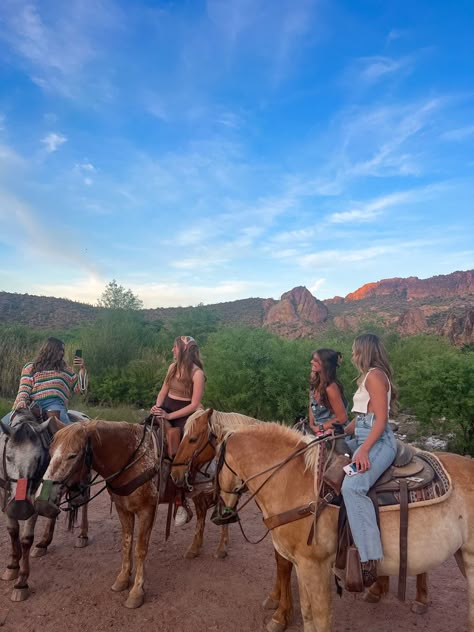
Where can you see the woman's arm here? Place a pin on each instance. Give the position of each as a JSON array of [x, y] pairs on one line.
[[25, 388], [376, 385], [336, 404]]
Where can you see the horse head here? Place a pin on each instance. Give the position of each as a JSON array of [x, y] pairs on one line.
[[71, 458], [196, 448], [229, 488], [24, 446]]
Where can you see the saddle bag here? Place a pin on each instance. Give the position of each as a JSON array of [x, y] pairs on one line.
[[353, 580], [334, 474], [173, 439]]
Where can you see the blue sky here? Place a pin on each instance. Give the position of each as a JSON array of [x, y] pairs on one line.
[[209, 151]]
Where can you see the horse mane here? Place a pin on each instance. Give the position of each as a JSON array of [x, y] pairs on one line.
[[72, 436], [274, 427], [220, 422]]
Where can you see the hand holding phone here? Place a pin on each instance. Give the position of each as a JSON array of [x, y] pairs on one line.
[[351, 469], [78, 357]]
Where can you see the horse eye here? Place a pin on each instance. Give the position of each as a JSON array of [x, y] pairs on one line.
[[72, 456], [193, 440]]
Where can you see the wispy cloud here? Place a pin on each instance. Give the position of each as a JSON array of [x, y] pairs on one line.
[[53, 141], [368, 211], [372, 69], [459, 134]]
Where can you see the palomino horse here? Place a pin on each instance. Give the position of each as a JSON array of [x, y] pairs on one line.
[[24, 448], [203, 431], [436, 531], [125, 456]]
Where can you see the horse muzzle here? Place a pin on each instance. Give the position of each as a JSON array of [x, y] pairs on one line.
[[44, 505], [224, 515], [20, 509]]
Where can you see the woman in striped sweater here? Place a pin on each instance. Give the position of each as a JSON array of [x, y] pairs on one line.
[[49, 382]]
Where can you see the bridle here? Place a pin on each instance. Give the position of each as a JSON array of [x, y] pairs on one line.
[[191, 469]]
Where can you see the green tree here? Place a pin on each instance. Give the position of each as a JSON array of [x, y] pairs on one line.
[[115, 296]]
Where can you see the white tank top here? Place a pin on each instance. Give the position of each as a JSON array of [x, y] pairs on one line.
[[362, 397]]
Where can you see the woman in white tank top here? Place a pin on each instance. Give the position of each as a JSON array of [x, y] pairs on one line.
[[374, 446]]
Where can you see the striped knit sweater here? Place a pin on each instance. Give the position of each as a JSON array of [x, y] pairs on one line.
[[44, 384]]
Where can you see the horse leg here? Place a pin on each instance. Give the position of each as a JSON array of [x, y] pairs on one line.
[[468, 563], [146, 518], [280, 597], [20, 590], [11, 571], [314, 580], [201, 510], [127, 520], [221, 551], [82, 539], [42, 547], [420, 605], [378, 589]]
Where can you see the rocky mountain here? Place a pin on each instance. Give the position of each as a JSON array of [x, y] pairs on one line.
[[441, 305]]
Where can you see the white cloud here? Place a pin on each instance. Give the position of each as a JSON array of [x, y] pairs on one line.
[[53, 141], [316, 285], [378, 67], [459, 134], [371, 210]]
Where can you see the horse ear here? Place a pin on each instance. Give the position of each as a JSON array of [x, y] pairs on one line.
[[54, 424], [5, 427], [44, 425], [209, 412]]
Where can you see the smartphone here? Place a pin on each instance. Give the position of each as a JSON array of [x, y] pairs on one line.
[[351, 469], [77, 355]]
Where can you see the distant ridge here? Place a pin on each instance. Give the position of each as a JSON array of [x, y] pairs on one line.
[[442, 304]]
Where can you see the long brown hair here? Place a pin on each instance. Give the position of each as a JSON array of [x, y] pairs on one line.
[[319, 382], [370, 353], [182, 368], [50, 357]]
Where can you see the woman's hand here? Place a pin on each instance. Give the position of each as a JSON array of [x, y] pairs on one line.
[[159, 412], [361, 459]]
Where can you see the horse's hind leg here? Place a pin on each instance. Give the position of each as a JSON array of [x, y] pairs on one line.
[[420, 605], [468, 563], [20, 590], [12, 569], [127, 521], [378, 589], [42, 547], [221, 551], [82, 539], [280, 597], [146, 518]]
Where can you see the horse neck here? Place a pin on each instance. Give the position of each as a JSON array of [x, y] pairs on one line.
[[113, 443], [250, 453]]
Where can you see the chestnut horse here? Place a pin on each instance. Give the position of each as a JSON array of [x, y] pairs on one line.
[[125, 456], [437, 530], [203, 431], [24, 458]]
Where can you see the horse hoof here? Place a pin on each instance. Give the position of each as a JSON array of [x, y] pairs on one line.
[[134, 602], [10, 573], [419, 608], [190, 554], [39, 551], [371, 597], [20, 594], [81, 542], [274, 626], [270, 604], [120, 585], [220, 555]]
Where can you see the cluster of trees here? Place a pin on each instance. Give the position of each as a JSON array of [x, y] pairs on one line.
[[250, 369]]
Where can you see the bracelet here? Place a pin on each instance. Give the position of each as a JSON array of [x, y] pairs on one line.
[[321, 428]]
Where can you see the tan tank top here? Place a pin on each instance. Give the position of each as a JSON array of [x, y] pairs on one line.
[[177, 388]]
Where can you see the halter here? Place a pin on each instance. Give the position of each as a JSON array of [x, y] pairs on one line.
[[191, 472]]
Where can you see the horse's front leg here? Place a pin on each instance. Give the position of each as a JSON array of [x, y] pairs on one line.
[[82, 539], [378, 589], [146, 518], [280, 598], [127, 521], [221, 551], [314, 581], [42, 547], [201, 507], [20, 590], [11, 571], [420, 605]]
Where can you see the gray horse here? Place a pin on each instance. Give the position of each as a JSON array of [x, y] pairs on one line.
[[24, 457]]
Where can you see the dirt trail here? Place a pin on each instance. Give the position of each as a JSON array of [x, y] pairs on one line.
[[72, 587]]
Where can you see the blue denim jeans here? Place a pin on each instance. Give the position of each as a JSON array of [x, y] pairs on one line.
[[360, 510], [50, 403]]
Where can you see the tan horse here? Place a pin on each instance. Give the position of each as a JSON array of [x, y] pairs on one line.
[[206, 429], [123, 454], [436, 531]]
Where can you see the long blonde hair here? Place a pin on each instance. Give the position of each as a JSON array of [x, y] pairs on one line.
[[370, 353], [187, 356]]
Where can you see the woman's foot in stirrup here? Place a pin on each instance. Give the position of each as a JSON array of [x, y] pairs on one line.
[[369, 572]]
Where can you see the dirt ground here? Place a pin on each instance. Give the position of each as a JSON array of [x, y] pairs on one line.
[[71, 587]]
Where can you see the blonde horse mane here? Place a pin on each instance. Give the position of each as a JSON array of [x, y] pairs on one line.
[[72, 436], [221, 423]]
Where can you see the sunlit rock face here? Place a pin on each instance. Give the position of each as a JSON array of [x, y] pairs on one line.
[[296, 314]]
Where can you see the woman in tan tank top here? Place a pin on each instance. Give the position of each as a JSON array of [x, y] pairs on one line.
[[181, 395]]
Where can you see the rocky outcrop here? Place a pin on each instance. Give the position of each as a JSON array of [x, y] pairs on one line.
[[459, 328], [412, 322], [441, 286], [296, 313]]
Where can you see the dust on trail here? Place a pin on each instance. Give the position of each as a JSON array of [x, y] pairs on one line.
[[72, 586]]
